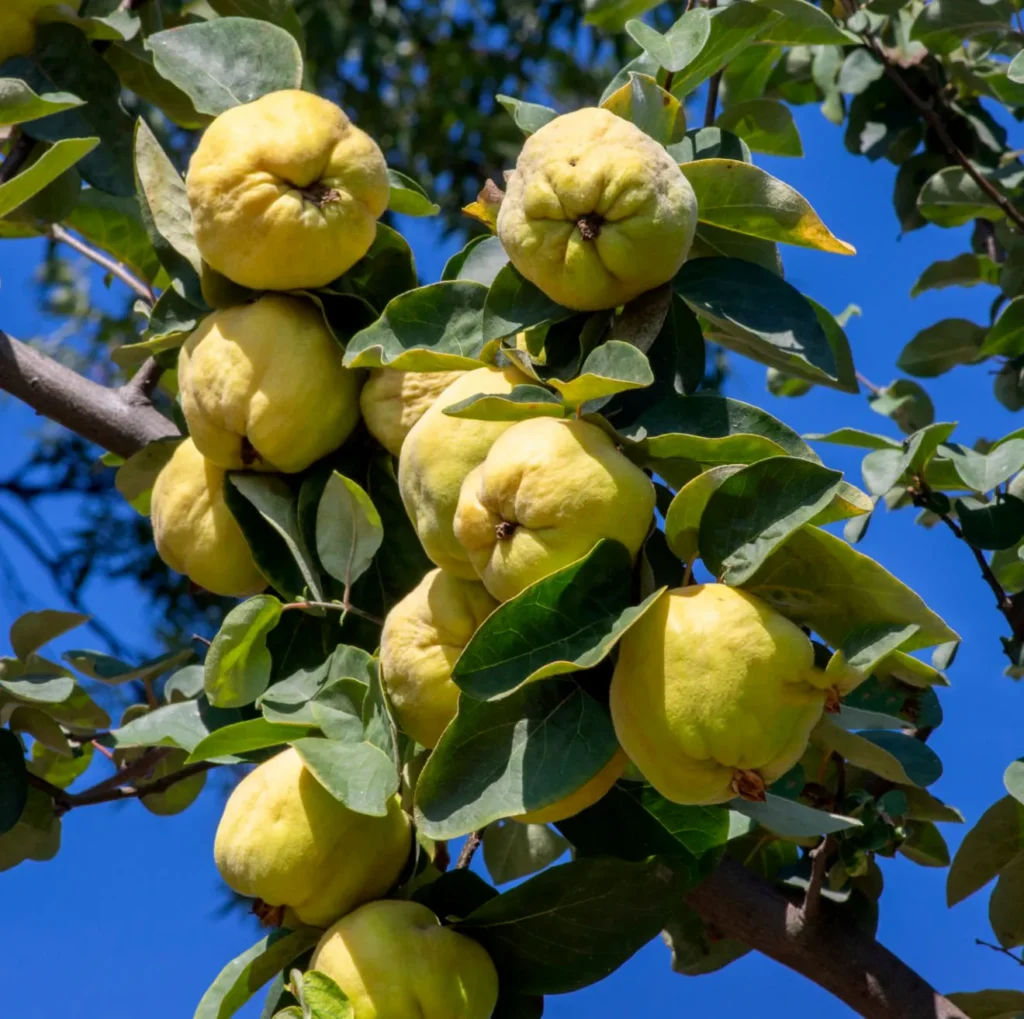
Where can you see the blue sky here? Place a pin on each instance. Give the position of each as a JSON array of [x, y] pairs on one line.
[[128, 917]]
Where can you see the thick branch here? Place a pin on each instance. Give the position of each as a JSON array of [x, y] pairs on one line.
[[836, 956], [90, 410]]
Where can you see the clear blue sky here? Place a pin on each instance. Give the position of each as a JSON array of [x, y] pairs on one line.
[[128, 919]]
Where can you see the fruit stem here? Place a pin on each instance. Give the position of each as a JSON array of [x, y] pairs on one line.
[[320, 195], [505, 530], [589, 226]]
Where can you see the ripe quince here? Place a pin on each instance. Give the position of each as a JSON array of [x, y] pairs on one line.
[[394, 960], [586, 796], [285, 192], [423, 636], [714, 694], [194, 530], [392, 401], [284, 839], [263, 386], [438, 453], [18, 24], [546, 493], [596, 212]]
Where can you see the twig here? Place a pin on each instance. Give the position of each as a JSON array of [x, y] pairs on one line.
[[139, 388], [99, 792], [1019, 960], [91, 796], [812, 897], [53, 791], [333, 607], [472, 845], [102, 749], [1003, 601], [143, 290], [713, 86], [868, 384]]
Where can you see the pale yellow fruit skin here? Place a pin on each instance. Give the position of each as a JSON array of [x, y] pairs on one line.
[[18, 24], [710, 680], [284, 839], [586, 796], [423, 636], [194, 530], [394, 960], [251, 219], [593, 163], [392, 401], [564, 486], [438, 453], [272, 373]]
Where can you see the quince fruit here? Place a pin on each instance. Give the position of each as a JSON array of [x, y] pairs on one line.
[[194, 530], [586, 796], [714, 694], [263, 387], [394, 960], [285, 192], [392, 401], [596, 212], [284, 839], [18, 24], [438, 453], [546, 493], [423, 636]]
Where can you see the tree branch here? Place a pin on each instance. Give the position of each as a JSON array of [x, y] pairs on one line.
[[104, 261], [96, 413], [834, 954], [473, 841], [123, 792]]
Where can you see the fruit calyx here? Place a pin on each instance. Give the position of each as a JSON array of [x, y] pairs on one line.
[[832, 701], [320, 195], [248, 452], [589, 226], [748, 785], [505, 530], [268, 916]]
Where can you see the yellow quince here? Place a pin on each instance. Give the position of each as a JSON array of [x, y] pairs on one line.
[[194, 530], [285, 840], [714, 694], [546, 493], [392, 401], [18, 24], [438, 453], [596, 212], [263, 386], [394, 960], [586, 796], [285, 192], [423, 636]]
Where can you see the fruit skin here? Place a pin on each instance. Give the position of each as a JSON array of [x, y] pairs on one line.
[[392, 401], [285, 192], [284, 839], [18, 24], [596, 212], [263, 387], [546, 493], [194, 530], [394, 960], [437, 455], [423, 636], [711, 683], [586, 796]]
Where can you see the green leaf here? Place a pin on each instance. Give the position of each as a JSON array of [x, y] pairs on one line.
[[523, 402], [613, 367], [682, 521], [885, 467], [993, 525], [136, 477], [709, 143], [989, 1004], [29, 632], [348, 529], [566, 622], [106, 669], [732, 29], [1013, 779], [493, 760], [322, 998], [802, 24], [18, 103], [925, 846], [574, 924], [241, 978], [737, 196], [923, 806], [56, 768], [712, 241], [952, 198], [1004, 912], [114, 224], [892, 755], [792, 819], [933, 351], [36, 836], [680, 45], [906, 403], [281, 555], [855, 437], [59, 157], [238, 663], [408, 198], [529, 117], [766, 125], [35, 682], [13, 781], [943, 25], [966, 270], [986, 849], [183, 724], [643, 102], [227, 62], [385, 271], [277, 12], [134, 66], [244, 737], [513, 850], [753, 511], [180, 795], [434, 328], [985, 471], [817, 579], [514, 304], [1015, 72], [759, 315], [1006, 337], [43, 729], [360, 775]]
